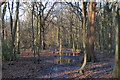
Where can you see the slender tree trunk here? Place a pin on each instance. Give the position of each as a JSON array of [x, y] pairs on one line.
[[3, 22], [0, 48], [73, 41], [71, 34], [58, 32], [83, 36], [0, 51], [38, 36], [40, 25], [6, 37], [101, 31], [109, 33], [18, 36], [14, 33], [104, 27], [113, 28], [42, 37], [3, 27], [60, 48], [57, 36], [11, 28], [61, 25], [116, 70], [33, 33], [90, 33]]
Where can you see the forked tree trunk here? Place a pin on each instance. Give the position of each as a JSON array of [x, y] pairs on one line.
[[13, 36], [90, 33]]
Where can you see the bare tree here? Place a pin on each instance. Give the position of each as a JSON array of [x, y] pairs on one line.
[[13, 50], [90, 32], [43, 19], [116, 71], [83, 35]]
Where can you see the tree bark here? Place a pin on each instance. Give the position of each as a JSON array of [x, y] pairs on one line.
[[18, 36], [90, 33], [0, 48], [3, 22], [42, 37], [83, 36], [109, 31], [13, 35], [116, 70], [3, 27], [33, 32], [38, 36]]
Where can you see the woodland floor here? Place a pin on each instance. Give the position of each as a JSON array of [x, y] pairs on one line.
[[26, 68]]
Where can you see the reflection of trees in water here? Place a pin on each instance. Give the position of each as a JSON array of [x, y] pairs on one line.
[[62, 61], [68, 54]]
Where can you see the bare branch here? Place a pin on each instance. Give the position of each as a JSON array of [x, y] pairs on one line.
[[50, 10], [75, 7], [30, 9]]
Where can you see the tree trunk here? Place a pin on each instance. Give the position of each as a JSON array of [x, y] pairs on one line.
[[42, 37], [38, 36], [73, 50], [0, 49], [83, 36], [57, 35], [18, 36], [40, 25], [71, 34], [11, 27], [13, 36], [60, 48], [90, 33], [116, 70], [113, 28], [3, 22], [3, 27], [0, 54], [109, 32], [33, 33], [101, 31]]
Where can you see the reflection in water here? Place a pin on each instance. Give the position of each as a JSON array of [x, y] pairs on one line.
[[69, 54], [62, 61]]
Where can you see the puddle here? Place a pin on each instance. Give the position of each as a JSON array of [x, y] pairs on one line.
[[68, 54], [62, 61]]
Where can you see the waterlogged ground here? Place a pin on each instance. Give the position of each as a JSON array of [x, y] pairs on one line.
[[58, 65]]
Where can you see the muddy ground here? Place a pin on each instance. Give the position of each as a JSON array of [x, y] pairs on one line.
[[26, 68]]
